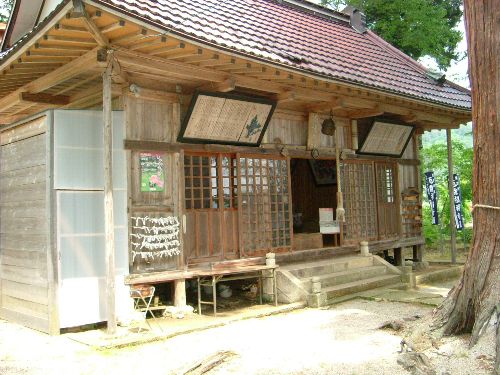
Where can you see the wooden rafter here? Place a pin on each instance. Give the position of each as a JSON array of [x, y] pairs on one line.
[[80, 12], [42, 98], [74, 68]]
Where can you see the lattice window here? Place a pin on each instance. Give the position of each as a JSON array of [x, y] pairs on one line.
[[385, 184], [359, 200]]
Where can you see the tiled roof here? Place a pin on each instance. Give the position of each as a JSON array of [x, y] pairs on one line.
[[302, 39]]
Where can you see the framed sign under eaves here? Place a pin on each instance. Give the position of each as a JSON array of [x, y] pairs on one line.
[[226, 119], [386, 138]]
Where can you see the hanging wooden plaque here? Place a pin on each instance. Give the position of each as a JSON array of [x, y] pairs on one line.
[[386, 138], [226, 119]]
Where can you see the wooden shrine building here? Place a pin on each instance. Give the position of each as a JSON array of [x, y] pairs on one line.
[[155, 138]]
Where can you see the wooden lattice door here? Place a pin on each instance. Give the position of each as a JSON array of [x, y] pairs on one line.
[[264, 204], [388, 213], [211, 207], [360, 200]]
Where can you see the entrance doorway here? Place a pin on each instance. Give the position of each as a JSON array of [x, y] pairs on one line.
[[314, 186]]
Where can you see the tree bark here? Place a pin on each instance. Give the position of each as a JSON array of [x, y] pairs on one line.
[[476, 298]]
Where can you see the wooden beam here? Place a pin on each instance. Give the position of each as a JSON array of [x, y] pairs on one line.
[[148, 42], [129, 37], [225, 86], [167, 49], [157, 65], [101, 39], [331, 105], [72, 29], [42, 98], [156, 95], [410, 118], [65, 72], [363, 113], [113, 26], [284, 97], [78, 84], [109, 226], [57, 50], [65, 39]]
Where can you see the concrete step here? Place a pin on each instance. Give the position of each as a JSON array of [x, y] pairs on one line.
[[360, 285], [323, 267], [347, 276]]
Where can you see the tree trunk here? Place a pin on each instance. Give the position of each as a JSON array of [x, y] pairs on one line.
[[476, 298]]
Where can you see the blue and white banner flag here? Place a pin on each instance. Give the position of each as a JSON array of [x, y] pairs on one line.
[[430, 187], [457, 202]]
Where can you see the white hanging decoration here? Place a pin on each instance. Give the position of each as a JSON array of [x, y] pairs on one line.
[[155, 237]]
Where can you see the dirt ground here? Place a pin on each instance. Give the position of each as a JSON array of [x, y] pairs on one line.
[[342, 339]]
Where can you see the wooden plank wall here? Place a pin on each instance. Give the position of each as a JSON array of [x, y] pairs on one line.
[[24, 225], [148, 120], [287, 128]]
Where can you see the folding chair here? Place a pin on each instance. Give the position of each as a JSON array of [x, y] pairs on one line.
[[142, 296]]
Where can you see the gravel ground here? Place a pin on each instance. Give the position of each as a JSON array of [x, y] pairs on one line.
[[344, 339]]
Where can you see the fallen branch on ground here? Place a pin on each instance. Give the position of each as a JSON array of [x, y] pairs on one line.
[[205, 365]]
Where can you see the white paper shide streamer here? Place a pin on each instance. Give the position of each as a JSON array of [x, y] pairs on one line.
[[155, 237]]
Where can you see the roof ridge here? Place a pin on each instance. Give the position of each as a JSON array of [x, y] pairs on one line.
[[315, 9]]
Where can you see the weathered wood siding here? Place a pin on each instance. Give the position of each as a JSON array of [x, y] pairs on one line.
[[24, 225], [148, 120], [287, 128]]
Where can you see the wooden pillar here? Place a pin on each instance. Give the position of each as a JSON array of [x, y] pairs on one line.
[[453, 231], [313, 131], [417, 253], [180, 293], [108, 199], [398, 256]]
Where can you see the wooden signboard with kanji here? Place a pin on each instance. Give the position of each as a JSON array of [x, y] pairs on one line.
[[226, 119]]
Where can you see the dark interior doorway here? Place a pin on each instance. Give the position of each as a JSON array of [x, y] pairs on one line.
[[314, 186]]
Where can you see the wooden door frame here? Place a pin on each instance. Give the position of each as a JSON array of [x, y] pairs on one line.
[[396, 197], [220, 209]]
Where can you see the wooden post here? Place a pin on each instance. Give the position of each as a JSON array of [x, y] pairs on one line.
[[398, 257], [453, 232], [180, 293], [313, 131], [108, 199]]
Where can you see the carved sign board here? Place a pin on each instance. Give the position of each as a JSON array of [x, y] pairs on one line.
[[386, 138], [226, 119]]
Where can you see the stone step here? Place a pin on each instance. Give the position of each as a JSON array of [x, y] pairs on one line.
[[346, 276], [329, 266], [360, 285]]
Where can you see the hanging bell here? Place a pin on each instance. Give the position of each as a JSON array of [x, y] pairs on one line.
[[328, 126]]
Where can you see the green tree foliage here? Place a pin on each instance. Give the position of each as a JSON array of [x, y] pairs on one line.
[[435, 158], [5, 9], [417, 27]]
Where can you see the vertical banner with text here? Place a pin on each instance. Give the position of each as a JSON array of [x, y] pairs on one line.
[[457, 202], [430, 187]]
